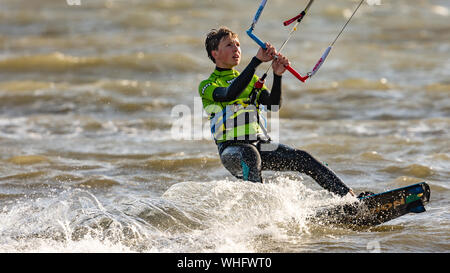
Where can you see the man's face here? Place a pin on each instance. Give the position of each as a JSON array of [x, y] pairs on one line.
[[228, 53]]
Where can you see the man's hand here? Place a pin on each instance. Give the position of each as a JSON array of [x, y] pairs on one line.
[[265, 55], [279, 64]]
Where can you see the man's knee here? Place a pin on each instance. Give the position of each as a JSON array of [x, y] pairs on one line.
[[231, 158], [243, 162]]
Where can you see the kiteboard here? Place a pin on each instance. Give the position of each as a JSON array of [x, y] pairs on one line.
[[375, 209]]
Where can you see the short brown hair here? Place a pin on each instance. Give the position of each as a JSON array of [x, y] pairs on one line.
[[213, 39]]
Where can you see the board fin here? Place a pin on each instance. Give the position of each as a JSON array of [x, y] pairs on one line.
[[416, 207]]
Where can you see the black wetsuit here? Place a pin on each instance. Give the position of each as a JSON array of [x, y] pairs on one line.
[[246, 159]]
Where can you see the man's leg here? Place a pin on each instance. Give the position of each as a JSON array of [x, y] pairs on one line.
[[243, 161], [285, 158]]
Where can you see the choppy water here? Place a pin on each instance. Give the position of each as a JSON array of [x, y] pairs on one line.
[[89, 164]]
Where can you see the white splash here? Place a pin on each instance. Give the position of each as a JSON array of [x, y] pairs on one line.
[[373, 2], [440, 10]]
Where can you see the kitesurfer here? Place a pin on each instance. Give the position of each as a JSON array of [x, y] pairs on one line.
[[235, 105]]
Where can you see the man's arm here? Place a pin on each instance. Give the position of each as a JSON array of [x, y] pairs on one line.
[[232, 92], [274, 98]]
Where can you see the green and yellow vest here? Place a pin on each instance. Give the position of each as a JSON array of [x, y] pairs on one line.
[[240, 119]]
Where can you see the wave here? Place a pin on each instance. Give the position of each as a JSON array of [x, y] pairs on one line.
[[438, 87], [43, 126], [178, 164], [216, 216], [58, 62], [415, 170], [98, 182], [28, 159], [331, 87]]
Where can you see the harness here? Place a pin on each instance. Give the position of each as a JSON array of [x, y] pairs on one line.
[[240, 119]]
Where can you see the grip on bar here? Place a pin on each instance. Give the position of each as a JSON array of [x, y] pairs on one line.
[[296, 74], [320, 62], [298, 17], [256, 39], [263, 45]]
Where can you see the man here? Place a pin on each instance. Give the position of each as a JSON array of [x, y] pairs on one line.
[[235, 105]]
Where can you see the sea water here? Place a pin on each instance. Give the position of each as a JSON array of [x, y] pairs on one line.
[[90, 161]]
